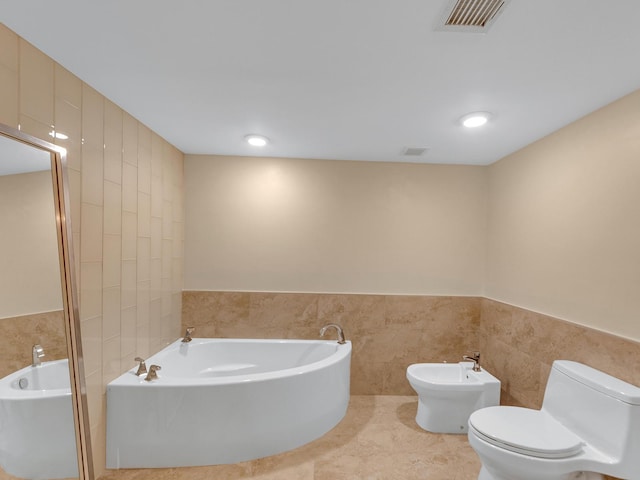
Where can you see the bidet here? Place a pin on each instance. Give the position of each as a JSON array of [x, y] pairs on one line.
[[449, 392]]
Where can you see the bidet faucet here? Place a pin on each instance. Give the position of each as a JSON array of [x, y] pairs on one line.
[[338, 328], [152, 375], [37, 353], [187, 335], [475, 359], [142, 367]]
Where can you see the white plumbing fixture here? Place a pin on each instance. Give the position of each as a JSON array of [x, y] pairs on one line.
[[223, 400], [37, 433], [449, 392], [589, 425]]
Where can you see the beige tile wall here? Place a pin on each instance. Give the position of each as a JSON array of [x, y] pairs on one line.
[[19, 334], [126, 191], [388, 332], [519, 347]]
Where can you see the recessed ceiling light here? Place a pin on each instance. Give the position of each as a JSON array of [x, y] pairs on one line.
[[475, 119], [256, 140]]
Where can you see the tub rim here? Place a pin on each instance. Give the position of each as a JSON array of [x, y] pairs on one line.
[[9, 393], [129, 378]]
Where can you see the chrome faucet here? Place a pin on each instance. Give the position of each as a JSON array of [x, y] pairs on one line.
[[142, 367], [187, 335], [475, 359], [152, 375], [338, 328], [37, 353]]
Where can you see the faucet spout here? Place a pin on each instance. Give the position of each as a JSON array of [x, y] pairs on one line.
[[338, 328], [37, 353], [152, 375], [187, 335], [475, 359]]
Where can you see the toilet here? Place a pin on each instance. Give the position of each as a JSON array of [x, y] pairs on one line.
[[588, 426]]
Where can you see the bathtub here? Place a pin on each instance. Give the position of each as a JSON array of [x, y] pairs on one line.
[[219, 401], [37, 433]]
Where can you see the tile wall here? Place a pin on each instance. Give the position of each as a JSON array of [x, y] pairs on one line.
[[126, 191], [520, 345], [390, 332], [19, 334]]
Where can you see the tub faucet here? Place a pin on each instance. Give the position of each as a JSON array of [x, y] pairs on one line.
[[37, 353], [187, 335], [338, 328], [475, 359], [152, 375], [142, 367]]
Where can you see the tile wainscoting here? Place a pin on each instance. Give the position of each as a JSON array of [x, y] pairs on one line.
[[390, 332], [21, 333], [519, 347]]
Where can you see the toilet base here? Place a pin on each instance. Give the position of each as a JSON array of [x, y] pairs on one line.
[[485, 475]]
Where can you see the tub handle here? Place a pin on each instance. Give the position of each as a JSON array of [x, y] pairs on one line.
[[142, 367], [152, 375], [338, 328]]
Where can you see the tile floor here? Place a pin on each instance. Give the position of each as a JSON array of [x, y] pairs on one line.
[[377, 440]]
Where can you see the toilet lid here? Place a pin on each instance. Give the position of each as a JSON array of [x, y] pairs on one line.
[[522, 430]]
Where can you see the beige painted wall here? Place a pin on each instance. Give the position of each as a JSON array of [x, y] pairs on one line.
[[30, 280], [126, 191], [560, 225], [564, 223], [291, 225]]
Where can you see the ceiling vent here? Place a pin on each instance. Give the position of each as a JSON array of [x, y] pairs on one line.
[[475, 16], [414, 151]]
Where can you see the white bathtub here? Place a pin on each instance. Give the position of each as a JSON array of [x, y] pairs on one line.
[[222, 401], [37, 434]]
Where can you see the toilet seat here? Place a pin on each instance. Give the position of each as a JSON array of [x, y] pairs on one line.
[[529, 432]]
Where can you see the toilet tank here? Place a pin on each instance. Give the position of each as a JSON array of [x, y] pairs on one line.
[[602, 410]]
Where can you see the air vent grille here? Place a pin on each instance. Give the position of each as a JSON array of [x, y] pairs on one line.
[[472, 15], [414, 151]]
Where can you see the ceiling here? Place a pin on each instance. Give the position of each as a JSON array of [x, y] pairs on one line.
[[342, 79]]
